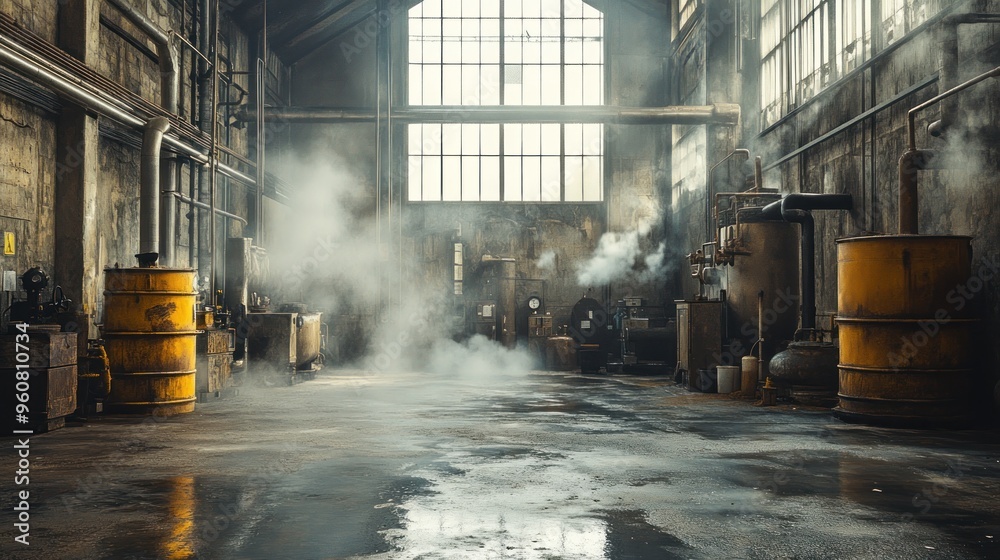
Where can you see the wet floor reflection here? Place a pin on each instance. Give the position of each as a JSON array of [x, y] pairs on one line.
[[179, 542]]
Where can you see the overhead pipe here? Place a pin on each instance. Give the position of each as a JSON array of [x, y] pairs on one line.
[[950, 64], [797, 208], [719, 113], [168, 58], [95, 103], [913, 160], [149, 192]]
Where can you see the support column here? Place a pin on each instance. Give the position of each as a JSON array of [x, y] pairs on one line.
[[77, 240]]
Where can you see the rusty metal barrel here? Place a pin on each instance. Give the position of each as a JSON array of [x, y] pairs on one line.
[[906, 334], [150, 335]]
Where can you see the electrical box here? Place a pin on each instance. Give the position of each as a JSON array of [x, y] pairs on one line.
[[699, 341]]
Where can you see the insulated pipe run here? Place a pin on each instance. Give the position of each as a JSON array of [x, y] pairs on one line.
[[92, 102], [914, 160], [796, 208], [149, 194], [719, 113]]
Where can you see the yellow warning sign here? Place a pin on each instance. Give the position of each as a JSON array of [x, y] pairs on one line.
[[8, 243]]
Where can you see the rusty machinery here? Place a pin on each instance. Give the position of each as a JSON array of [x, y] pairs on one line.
[[748, 254]]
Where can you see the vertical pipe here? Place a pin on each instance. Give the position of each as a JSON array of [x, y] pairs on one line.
[[261, 132], [149, 198], [214, 157], [207, 127]]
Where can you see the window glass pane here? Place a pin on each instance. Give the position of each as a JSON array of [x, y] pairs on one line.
[[551, 184], [551, 90], [491, 139], [451, 139], [451, 177], [574, 179], [470, 178], [574, 139], [512, 139], [551, 139], [512, 178], [531, 139], [490, 173], [592, 178], [431, 167], [470, 138], [452, 74], [532, 182], [532, 92]]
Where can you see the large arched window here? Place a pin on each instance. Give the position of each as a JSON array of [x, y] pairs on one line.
[[505, 53]]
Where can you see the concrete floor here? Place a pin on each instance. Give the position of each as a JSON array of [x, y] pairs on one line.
[[544, 465]]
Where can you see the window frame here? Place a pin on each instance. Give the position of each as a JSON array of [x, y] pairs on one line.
[[562, 165]]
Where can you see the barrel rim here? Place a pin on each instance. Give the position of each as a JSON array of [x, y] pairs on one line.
[[901, 236], [151, 333], [852, 320], [136, 270], [147, 293], [130, 375], [906, 371]]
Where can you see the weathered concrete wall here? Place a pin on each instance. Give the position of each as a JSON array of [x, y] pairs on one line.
[[27, 184]]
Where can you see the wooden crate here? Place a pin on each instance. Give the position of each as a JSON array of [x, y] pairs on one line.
[[46, 350], [52, 397]]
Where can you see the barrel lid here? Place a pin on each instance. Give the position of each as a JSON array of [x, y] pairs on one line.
[[863, 238], [154, 270]]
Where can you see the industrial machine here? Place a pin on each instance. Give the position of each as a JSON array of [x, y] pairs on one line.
[[539, 325], [647, 338], [808, 367], [33, 310], [589, 327], [699, 342], [285, 346]]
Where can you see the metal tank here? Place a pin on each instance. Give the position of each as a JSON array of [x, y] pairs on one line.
[[765, 258], [906, 340], [150, 334]]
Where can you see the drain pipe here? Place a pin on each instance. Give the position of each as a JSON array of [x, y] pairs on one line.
[[797, 208], [169, 100], [913, 160], [205, 124], [950, 64], [149, 193]]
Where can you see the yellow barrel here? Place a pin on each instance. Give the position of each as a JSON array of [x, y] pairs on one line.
[[150, 334], [906, 334]]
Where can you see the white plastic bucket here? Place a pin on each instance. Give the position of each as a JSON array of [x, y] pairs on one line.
[[727, 378]]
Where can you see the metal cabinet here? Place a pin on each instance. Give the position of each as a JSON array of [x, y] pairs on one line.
[[699, 340]]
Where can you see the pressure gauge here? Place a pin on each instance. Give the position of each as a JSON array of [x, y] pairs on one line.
[[534, 302]]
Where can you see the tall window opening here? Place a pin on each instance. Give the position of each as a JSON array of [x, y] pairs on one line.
[[507, 53]]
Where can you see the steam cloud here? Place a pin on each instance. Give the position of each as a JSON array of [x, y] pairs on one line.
[[330, 258], [621, 257]]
